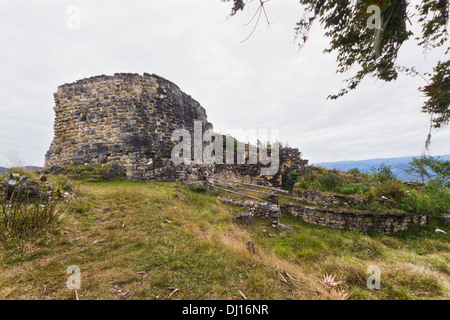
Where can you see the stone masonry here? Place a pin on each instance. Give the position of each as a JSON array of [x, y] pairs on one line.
[[125, 121], [383, 222], [290, 160]]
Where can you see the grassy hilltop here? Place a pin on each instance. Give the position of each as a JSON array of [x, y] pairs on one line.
[[143, 240]]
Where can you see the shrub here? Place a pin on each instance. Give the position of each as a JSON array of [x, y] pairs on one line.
[[321, 170], [22, 214], [434, 201], [392, 189], [197, 187], [330, 181], [347, 190], [303, 183], [308, 173], [383, 174], [354, 171], [370, 196], [315, 185], [291, 179], [354, 188]]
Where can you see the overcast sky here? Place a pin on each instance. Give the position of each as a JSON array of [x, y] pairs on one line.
[[262, 83]]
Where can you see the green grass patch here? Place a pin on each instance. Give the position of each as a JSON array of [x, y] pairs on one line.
[[148, 239]]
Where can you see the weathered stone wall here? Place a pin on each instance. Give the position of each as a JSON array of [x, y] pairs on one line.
[[290, 160], [123, 121], [260, 209], [386, 222], [126, 121]]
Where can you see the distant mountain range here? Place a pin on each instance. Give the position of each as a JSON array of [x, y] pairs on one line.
[[3, 169], [364, 166]]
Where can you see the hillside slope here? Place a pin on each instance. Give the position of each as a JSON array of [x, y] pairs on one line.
[[135, 240]]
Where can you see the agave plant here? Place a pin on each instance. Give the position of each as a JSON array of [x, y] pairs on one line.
[[332, 285], [329, 281]]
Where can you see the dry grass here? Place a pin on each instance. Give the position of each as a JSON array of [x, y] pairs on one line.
[[162, 241]]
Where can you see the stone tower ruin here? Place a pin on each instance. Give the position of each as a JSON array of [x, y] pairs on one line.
[[125, 121]]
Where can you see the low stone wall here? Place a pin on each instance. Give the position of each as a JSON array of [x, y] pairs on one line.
[[383, 222], [260, 209], [317, 197], [386, 222]]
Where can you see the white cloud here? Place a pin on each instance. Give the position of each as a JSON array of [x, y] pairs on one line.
[[261, 83]]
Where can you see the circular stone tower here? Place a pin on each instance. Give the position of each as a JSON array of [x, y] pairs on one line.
[[123, 121]]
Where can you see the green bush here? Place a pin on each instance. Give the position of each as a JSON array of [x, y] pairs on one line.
[[392, 189], [434, 201], [383, 174], [22, 214], [354, 188], [354, 171], [197, 187], [308, 173], [347, 190], [291, 179], [315, 185], [303, 183], [330, 181], [321, 170]]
